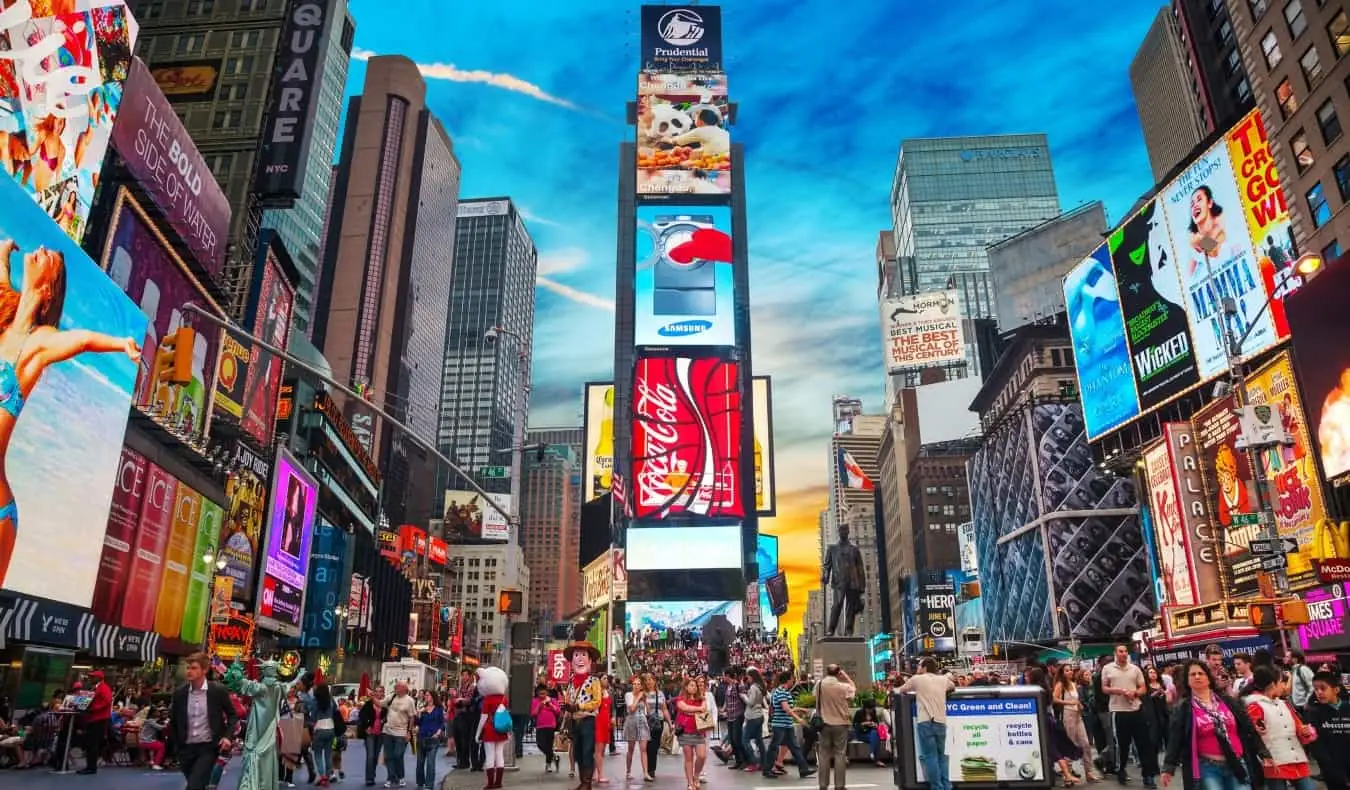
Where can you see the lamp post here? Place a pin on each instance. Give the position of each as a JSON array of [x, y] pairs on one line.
[[517, 452]]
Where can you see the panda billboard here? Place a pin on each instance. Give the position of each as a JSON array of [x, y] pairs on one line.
[[683, 146]]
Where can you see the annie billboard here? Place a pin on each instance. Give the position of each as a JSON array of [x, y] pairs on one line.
[[687, 438], [684, 284]]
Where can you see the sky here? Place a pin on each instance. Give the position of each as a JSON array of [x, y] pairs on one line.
[[533, 97]]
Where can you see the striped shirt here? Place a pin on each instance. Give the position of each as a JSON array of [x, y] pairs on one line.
[[777, 716]]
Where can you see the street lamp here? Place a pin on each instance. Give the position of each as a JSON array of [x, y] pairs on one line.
[[491, 335]]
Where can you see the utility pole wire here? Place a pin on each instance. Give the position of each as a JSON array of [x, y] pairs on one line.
[[225, 323]]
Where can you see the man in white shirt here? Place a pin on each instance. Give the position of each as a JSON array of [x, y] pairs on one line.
[[1242, 665], [398, 727], [1124, 683], [930, 689]]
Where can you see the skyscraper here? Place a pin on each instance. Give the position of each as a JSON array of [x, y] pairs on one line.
[[483, 391], [1219, 80], [550, 526], [386, 284], [231, 48], [1170, 111]]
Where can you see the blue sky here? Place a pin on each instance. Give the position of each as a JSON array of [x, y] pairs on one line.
[[533, 95]]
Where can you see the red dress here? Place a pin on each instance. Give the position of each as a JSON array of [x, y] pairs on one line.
[[490, 704], [603, 718]]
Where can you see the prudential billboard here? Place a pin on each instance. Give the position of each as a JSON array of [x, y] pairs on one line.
[[683, 293]]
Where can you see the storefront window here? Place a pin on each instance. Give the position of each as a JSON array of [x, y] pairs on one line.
[[43, 671]]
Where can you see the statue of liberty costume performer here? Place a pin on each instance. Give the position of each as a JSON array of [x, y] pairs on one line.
[[260, 733]]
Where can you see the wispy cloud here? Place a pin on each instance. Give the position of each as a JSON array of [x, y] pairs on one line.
[[452, 73], [530, 216], [575, 294]]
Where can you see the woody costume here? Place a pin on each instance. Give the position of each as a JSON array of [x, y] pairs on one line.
[[582, 699]]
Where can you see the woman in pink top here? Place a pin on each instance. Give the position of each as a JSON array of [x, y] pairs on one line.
[[546, 712], [1206, 736]]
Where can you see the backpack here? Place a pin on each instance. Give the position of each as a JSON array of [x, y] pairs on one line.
[[501, 721]]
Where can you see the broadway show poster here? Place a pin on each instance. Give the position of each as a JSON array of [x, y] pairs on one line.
[[1294, 484], [1204, 213], [1263, 201], [1231, 490], [1100, 353], [1197, 512], [1174, 556], [285, 563], [74, 339], [246, 503], [1153, 307]]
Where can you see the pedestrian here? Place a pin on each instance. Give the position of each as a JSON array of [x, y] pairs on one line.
[[658, 722], [323, 732], [604, 726], [1123, 681], [96, 721], [636, 731], [1207, 735], [466, 720], [1301, 680], [834, 695], [1282, 731], [201, 721], [430, 732], [547, 714], [755, 708], [690, 704], [399, 711], [931, 688], [782, 717], [1330, 715], [370, 730]]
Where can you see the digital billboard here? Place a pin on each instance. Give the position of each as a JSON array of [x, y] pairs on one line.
[[201, 572], [1231, 489], [683, 548], [69, 355], [285, 565], [766, 555], [683, 144], [680, 615], [246, 509], [143, 264], [187, 80], [160, 154], [272, 303], [1215, 261], [1153, 308], [1263, 201], [687, 438], [467, 518], [1100, 353], [597, 466], [681, 38], [327, 562], [1294, 486], [59, 98], [146, 571], [923, 330], [683, 288], [761, 401], [1320, 323]]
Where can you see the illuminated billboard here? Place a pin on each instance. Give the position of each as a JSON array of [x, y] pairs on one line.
[[60, 92], [761, 401], [597, 465], [468, 519], [1230, 487], [1100, 353], [684, 289], [1320, 323], [766, 556], [683, 144], [922, 331], [687, 438], [681, 38], [1263, 202]]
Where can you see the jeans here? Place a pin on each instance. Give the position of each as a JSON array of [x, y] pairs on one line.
[[428, 749], [872, 738], [321, 744], [395, 746], [736, 737], [933, 754], [583, 746], [1306, 783], [753, 740], [373, 745], [832, 755], [1218, 777], [784, 736], [543, 738]]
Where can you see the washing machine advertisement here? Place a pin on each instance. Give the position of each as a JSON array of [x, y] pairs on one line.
[[684, 284]]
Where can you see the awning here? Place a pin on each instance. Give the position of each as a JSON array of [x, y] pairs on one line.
[[1084, 652]]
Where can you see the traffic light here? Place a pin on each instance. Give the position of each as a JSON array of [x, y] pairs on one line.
[[173, 358], [1262, 616], [1294, 612], [511, 602]]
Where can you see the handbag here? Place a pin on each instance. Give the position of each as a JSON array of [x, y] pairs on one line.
[[501, 721], [703, 720]]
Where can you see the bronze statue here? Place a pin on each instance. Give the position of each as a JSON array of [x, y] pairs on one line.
[[843, 572]]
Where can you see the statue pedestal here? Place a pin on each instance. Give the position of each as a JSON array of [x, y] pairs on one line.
[[850, 653]]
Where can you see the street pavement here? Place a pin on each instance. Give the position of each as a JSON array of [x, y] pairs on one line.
[[669, 774]]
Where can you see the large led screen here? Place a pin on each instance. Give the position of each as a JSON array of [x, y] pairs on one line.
[[290, 529], [597, 466], [683, 145], [273, 299], [1153, 307], [1320, 322], [242, 536], [468, 519], [761, 400], [683, 548], [144, 265], [1293, 482], [766, 555], [69, 354], [1101, 355], [685, 38], [684, 284], [1215, 261], [681, 615], [1230, 487], [687, 438], [60, 92]]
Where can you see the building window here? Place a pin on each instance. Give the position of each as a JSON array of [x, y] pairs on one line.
[[1303, 155], [1329, 122], [1312, 67], [151, 10], [220, 164], [1342, 171], [233, 92], [189, 44], [1338, 29], [229, 119], [1225, 33], [1244, 89], [1270, 46], [200, 7], [1293, 14], [1284, 94], [252, 5], [242, 39], [1331, 252], [1258, 8], [1234, 61], [239, 64], [1317, 206]]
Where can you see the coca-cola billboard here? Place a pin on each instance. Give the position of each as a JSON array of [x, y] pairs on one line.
[[687, 438]]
